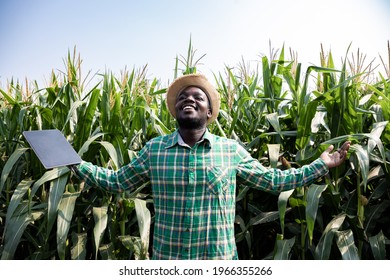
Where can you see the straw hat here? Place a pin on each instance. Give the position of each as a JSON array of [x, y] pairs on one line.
[[196, 80]]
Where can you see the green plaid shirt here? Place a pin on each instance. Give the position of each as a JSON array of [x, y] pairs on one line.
[[194, 191]]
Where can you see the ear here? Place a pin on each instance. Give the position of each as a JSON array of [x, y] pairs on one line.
[[209, 113]]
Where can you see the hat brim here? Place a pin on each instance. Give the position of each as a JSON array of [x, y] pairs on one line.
[[196, 80]]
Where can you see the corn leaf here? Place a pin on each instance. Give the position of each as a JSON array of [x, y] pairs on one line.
[[87, 143], [16, 199], [114, 125], [13, 159], [282, 205], [304, 126], [16, 228], [264, 217], [64, 218], [134, 245], [312, 197], [373, 213], [107, 251], [100, 218], [273, 154], [363, 162], [84, 128], [78, 250], [57, 188], [346, 245], [49, 176], [273, 119], [324, 246], [112, 153], [378, 246], [283, 248], [244, 231], [144, 220]]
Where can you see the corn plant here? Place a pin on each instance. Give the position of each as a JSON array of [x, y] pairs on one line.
[[46, 201], [285, 118], [312, 122]]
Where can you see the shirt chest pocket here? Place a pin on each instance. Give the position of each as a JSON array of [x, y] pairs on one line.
[[217, 180]]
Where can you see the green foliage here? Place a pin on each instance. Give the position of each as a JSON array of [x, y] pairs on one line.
[[283, 116]]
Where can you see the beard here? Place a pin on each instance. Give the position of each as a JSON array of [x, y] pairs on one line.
[[192, 123]]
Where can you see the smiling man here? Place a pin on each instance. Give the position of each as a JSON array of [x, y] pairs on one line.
[[194, 175]]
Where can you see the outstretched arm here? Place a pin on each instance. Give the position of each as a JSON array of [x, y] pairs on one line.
[[336, 158], [126, 178]]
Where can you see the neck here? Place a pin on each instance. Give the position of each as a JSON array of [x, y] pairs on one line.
[[191, 136]]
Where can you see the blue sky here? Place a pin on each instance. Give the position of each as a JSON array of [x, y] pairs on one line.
[[117, 34]]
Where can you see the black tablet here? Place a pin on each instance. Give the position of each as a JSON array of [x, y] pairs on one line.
[[52, 148]]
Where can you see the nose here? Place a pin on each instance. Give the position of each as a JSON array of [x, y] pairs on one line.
[[190, 98]]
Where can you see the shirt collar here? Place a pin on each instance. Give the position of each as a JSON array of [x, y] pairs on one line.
[[176, 139]]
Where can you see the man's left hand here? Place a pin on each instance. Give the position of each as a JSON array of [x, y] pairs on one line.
[[336, 158]]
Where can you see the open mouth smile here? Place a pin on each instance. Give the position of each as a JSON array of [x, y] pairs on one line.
[[186, 108]]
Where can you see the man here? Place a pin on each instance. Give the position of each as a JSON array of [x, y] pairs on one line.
[[194, 174]]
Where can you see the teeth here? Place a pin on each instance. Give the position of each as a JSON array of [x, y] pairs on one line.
[[188, 107]]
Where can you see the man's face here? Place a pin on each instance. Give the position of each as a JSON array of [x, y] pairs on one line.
[[192, 108]]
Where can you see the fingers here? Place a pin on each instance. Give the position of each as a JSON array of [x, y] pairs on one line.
[[337, 157], [342, 152], [73, 168], [329, 149], [346, 145], [344, 148]]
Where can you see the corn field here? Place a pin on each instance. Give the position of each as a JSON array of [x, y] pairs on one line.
[[284, 115]]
